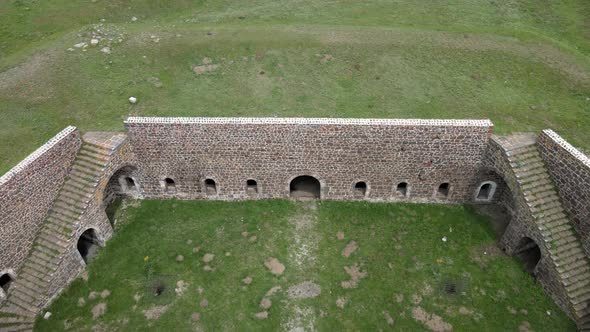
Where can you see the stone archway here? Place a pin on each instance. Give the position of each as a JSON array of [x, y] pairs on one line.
[[493, 198], [305, 187], [529, 253], [123, 183], [88, 244]]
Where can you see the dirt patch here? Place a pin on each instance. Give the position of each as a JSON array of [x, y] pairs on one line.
[[245, 234], [265, 303], [195, 316], [262, 315], [181, 287], [325, 58], [274, 266], [484, 254], [273, 290], [431, 321], [355, 276], [416, 299], [340, 235], [208, 258], [341, 302], [465, 311], [98, 310], [204, 303], [252, 238], [155, 312], [179, 258], [399, 298], [92, 295], [202, 69], [390, 321], [525, 327], [247, 280], [304, 290], [349, 249], [105, 293], [81, 302]]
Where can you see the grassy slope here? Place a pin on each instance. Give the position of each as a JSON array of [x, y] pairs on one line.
[[388, 236], [537, 78]]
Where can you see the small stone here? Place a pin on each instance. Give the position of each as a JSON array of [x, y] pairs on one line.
[[134, 19], [208, 268], [132, 100], [81, 302], [245, 234], [94, 41], [47, 315], [262, 315], [227, 254], [275, 266], [208, 257], [247, 280], [340, 235], [106, 50], [341, 302], [196, 249], [204, 303], [80, 45], [179, 258], [92, 295], [265, 303], [189, 242], [253, 238], [195, 316]]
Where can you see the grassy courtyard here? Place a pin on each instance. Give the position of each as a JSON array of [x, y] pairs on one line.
[[337, 266], [522, 63]]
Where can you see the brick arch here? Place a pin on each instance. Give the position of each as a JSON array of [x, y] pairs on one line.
[[87, 240], [322, 185]]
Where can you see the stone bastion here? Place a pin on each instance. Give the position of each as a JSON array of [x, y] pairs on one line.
[[52, 204]]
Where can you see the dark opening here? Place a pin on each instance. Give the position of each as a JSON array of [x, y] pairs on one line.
[[170, 185], [251, 187], [5, 281], [485, 191], [529, 253], [210, 187], [402, 188], [88, 245], [305, 187], [360, 189], [443, 190], [130, 183]]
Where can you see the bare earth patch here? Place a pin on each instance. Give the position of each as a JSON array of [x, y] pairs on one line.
[[273, 290], [355, 276], [274, 266], [482, 255], [388, 318], [208, 257], [349, 249], [105, 293], [247, 280], [341, 302], [265, 303], [432, 321], [525, 327], [262, 315], [340, 235], [202, 69], [155, 312], [98, 310], [304, 290]]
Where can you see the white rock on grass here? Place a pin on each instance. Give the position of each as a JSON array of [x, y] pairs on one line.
[[106, 50], [80, 45], [94, 42], [132, 100], [133, 19], [47, 315]]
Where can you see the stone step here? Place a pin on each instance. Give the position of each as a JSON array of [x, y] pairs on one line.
[[47, 251], [14, 310], [531, 193], [58, 236], [85, 176], [555, 230], [531, 172], [581, 298], [90, 166], [560, 261], [33, 293], [82, 199], [85, 180], [546, 220], [44, 263], [17, 327], [85, 170], [70, 207], [91, 160], [90, 147], [35, 279], [536, 195], [529, 162], [63, 214], [103, 157], [572, 247], [520, 156], [51, 245], [81, 183], [38, 270], [85, 193], [532, 185], [551, 236], [575, 286], [546, 206], [572, 266], [13, 320], [535, 178], [31, 287], [564, 255], [57, 221], [546, 213], [567, 241], [17, 293], [575, 279], [576, 272], [41, 255], [534, 202]]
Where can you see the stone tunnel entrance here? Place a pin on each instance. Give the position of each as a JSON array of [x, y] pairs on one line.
[[88, 245], [529, 253], [5, 281], [305, 187]]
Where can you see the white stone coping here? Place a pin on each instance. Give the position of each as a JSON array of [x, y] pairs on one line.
[[577, 154], [38, 153], [312, 121]]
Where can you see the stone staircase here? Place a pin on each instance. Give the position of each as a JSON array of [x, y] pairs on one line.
[[564, 246], [28, 294]]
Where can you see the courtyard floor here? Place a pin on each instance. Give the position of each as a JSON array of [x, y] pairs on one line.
[[283, 265]]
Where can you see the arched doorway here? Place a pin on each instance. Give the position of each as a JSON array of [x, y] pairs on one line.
[[493, 198], [88, 244], [529, 253], [305, 187], [5, 282], [123, 183]]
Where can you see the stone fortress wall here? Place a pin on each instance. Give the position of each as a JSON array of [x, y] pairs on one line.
[[27, 192], [570, 170], [435, 161]]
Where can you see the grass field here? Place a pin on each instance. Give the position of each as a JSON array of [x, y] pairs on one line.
[[524, 64], [407, 277]]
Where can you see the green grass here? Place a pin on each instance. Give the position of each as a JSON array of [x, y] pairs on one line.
[[400, 248], [524, 64]]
